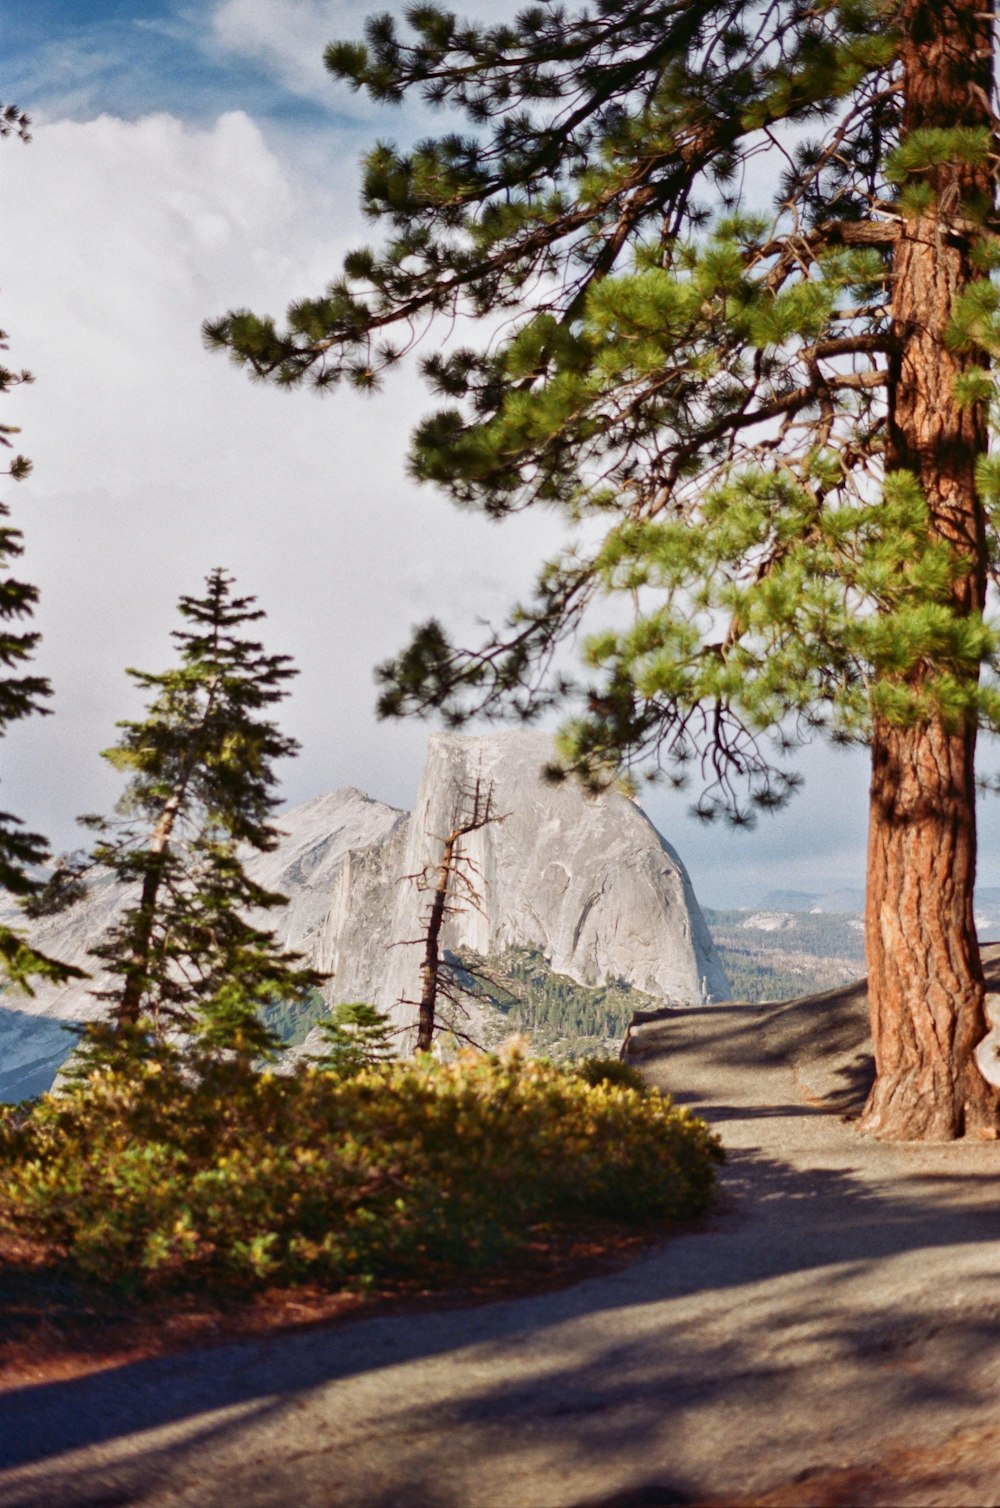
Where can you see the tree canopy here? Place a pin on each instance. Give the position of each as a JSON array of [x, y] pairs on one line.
[[706, 378], [730, 265]]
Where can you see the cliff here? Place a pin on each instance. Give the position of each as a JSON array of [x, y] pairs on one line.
[[586, 881]]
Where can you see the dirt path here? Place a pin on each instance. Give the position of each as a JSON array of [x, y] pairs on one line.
[[831, 1335]]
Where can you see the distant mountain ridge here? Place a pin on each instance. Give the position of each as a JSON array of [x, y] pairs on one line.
[[844, 898], [850, 900]]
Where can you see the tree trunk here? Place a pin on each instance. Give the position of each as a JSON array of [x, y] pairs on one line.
[[925, 982], [925, 979], [431, 967], [137, 968]]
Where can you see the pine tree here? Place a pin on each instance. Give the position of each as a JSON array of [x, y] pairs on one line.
[[201, 791], [356, 1036], [21, 695], [766, 407]]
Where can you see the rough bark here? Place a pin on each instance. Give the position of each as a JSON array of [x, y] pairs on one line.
[[431, 967], [925, 979], [474, 809]]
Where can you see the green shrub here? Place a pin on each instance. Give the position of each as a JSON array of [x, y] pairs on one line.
[[596, 1071], [147, 1173]]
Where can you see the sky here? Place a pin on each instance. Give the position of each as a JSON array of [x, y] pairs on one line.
[[192, 156]]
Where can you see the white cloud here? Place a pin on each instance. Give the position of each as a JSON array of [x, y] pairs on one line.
[[155, 461], [287, 39]]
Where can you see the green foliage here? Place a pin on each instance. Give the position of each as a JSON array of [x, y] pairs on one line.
[[356, 1036], [148, 1173], [201, 791], [552, 1009], [596, 1071], [935, 147], [975, 324], [708, 385], [807, 953], [21, 694], [757, 975], [291, 1020]]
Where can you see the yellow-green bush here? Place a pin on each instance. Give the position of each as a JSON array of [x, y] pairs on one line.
[[610, 1071], [143, 1173]]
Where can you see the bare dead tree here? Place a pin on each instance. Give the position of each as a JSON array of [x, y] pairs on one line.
[[453, 886]]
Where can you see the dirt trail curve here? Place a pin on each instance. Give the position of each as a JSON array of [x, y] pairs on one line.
[[830, 1335]]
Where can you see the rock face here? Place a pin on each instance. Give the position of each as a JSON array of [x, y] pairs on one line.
[[587, 882]]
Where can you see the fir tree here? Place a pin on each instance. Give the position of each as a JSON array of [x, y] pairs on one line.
[[777, 412], [21, 694], [356, 1036], [201, 791]]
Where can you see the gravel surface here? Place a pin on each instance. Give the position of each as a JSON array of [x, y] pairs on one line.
[[829, 1335]]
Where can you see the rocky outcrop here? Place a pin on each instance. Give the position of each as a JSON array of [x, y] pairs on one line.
[[587, 882]]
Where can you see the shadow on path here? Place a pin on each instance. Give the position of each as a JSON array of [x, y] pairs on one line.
[[774, 1221], [726, 1322]]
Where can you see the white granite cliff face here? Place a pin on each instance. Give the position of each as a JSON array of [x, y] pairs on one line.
[[587, 882]]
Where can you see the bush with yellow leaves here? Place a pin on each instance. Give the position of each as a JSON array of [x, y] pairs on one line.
[[145, 1172]]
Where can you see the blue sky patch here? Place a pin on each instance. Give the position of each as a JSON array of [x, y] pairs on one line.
[[79, 58]]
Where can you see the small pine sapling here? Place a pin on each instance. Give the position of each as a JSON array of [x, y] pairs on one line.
[[356, 1036]]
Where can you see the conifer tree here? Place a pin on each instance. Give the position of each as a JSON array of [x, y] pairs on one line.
[[201, 791], [355, 1037], [21, 694], [744, 251]]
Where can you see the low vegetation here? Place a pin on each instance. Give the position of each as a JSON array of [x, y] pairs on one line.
[[148, 1173], [175, 1156], [564, 1019]]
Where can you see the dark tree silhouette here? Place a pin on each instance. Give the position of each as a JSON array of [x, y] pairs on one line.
[[452, 882]]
